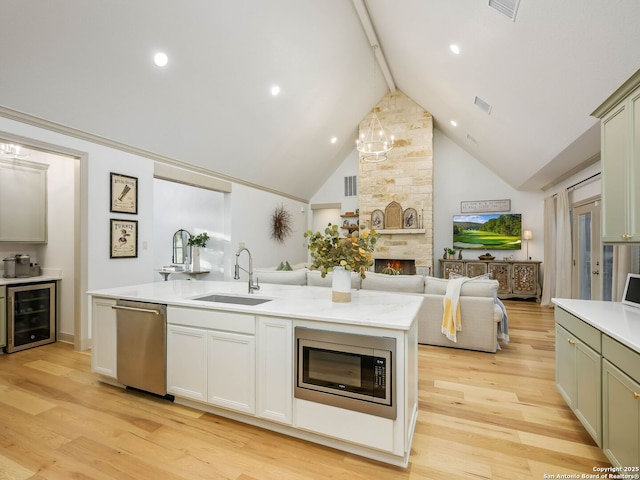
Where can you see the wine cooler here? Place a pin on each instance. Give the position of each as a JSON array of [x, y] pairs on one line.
[[31, 316]]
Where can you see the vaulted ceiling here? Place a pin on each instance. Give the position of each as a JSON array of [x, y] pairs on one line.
[[88, 65]]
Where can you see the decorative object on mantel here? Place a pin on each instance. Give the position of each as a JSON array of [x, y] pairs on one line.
[[377, 219], [352, 252], [410, 217], [196, 242], [374, 145], [281, 224], [393, 217], [485, 206], [486, 256]]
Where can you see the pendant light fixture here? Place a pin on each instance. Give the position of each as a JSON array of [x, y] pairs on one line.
[[374, 144]]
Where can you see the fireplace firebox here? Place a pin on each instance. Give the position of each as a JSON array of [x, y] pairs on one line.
[[395, 267]]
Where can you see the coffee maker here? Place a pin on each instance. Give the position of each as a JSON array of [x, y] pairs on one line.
[[17, 266]]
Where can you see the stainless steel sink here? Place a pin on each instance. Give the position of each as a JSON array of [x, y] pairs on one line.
[[233, 299]]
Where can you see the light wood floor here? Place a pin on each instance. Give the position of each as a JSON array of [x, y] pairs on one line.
[[481, 416]]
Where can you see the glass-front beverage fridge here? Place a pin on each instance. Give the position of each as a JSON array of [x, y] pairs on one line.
[[31, 315]]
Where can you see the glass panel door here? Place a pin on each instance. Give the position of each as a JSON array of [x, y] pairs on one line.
[[592, 262]]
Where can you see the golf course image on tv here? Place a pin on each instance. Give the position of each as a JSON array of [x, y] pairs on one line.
[[488, 231]]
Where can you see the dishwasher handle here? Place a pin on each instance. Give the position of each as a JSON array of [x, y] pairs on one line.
[[135, 309]]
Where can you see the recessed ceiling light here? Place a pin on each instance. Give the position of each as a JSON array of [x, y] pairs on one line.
[[334, 139], [455, 48], [160, 59], [454, 123], [275, 90]]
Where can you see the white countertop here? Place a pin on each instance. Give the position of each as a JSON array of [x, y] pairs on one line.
[[367, 307], [48, 274], [620, 322]]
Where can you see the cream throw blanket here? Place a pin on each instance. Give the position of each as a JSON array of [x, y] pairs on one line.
[[451, 318]]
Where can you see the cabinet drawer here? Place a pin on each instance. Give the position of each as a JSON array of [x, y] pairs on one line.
[[623, 357], [211, 319], [585, 332]]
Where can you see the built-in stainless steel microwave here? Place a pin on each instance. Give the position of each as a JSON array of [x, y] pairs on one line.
[[346, 370]]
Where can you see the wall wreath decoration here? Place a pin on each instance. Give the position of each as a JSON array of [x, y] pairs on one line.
[[281, 224]]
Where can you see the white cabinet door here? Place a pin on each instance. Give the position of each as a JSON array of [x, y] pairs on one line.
[[621, 417], [231, 369], [23, 201], [187, 362], [104, 358], [275, 369]]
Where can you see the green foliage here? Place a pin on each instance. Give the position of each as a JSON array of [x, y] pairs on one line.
[[503, 225], [198, 240], [353, 251]]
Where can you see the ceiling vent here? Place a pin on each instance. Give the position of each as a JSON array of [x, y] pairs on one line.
[[506, 7], [482, 105]]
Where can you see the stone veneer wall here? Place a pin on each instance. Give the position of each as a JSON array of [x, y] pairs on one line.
[[405, 177]]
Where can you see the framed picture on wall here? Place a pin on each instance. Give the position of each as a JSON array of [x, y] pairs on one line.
[[124, 194], [124, 238]]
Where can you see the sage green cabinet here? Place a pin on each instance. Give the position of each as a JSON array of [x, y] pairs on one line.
[[620, 156], [3, 316], [578, 377], [621, 403]]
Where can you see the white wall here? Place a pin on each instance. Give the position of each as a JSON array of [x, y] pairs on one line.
[[458, 176], [332, 191], [248, 221], [197, 210]]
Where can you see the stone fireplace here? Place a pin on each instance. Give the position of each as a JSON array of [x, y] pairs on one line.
[[405, 178]]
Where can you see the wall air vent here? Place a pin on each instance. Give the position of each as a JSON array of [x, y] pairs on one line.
[[482, 105], [506, 7], [350, 186]]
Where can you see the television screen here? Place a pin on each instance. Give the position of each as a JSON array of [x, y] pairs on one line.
[[493, 231]]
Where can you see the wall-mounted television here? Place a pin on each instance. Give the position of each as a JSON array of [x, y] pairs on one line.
[[492, 231]]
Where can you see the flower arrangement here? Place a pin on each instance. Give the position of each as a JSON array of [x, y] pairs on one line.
[[353, 251], [198, 240]]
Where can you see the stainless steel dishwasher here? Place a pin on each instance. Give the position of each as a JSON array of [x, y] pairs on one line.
[[142, 345]]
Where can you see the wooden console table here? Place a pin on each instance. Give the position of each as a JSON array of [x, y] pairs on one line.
[[516, 278]]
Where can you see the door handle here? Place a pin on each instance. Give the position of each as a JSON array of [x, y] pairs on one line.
[[596, 272], [144, 310]]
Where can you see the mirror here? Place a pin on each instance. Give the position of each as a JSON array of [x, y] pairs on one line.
[[180, 247]]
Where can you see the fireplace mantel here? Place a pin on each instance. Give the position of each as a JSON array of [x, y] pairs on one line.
[[402, 231]]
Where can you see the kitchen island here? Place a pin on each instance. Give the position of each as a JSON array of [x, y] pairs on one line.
[[239, 361], [598, 373]]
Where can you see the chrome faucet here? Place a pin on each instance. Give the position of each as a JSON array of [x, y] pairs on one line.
[[252, 286]]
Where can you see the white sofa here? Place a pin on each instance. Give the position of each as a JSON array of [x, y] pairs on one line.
[[483, 318]]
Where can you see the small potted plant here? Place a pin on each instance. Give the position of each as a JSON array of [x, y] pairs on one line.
[[451, 252], [196, 242], [352, 252]]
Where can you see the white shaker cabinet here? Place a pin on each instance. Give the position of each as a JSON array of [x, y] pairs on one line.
[[232, 371], [104, 358], [187, 362], [23, 201], [275, 369], [620, 157]]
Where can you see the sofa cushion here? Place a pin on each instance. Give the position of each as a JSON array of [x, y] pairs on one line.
[[314, 279], [393, 283], [473, 288], [283, 277]]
